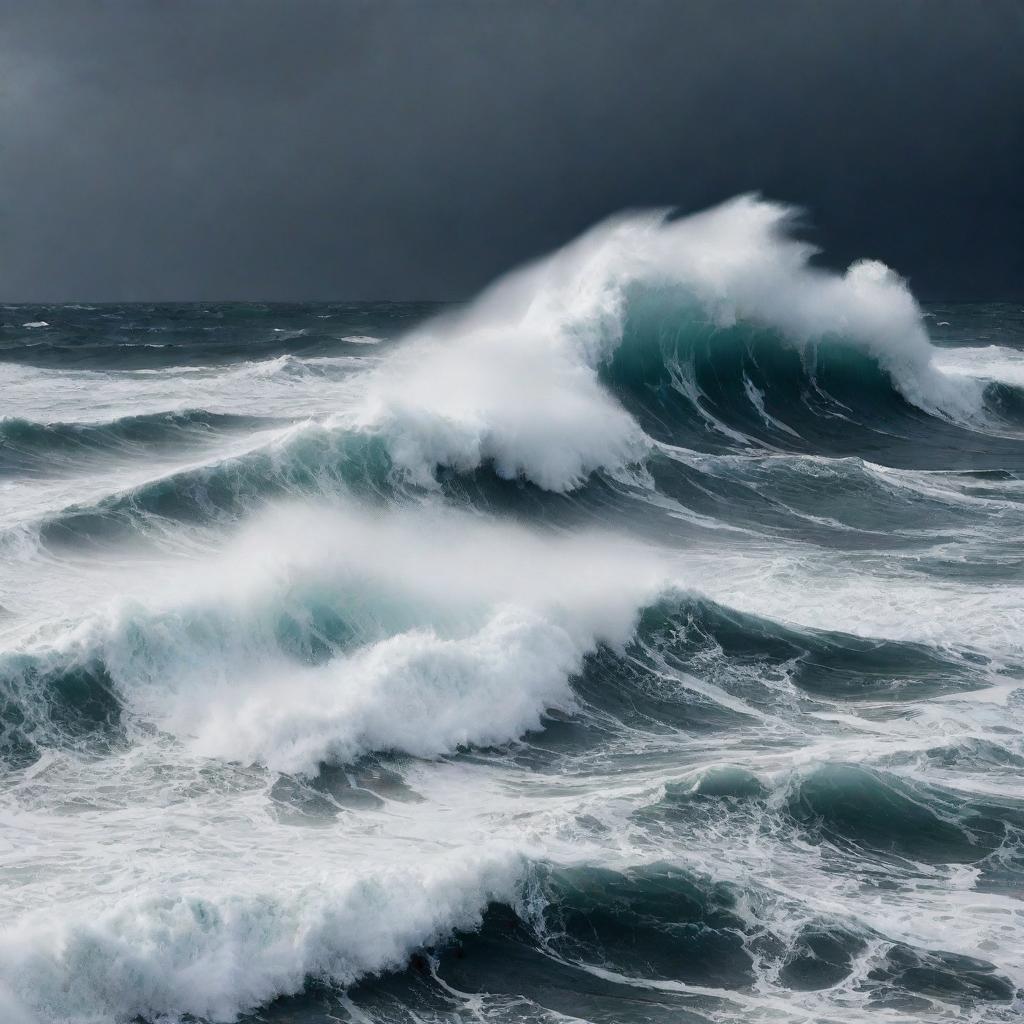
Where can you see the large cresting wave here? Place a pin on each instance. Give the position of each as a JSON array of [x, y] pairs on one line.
[[519, 379]]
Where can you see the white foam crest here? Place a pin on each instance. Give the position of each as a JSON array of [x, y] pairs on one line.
[[462, 631], [214, 953], [285, 386], [513, 380], [419, 693], [877, 598], [989, 362]]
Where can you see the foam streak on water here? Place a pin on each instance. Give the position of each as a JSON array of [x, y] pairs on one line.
[[640, 642]]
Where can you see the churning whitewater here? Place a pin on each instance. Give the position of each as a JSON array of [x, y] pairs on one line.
[[641, 642]]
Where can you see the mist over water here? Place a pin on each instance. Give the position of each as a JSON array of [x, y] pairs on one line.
[[639, 642]]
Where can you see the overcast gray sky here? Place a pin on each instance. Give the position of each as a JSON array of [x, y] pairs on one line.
[[203, 149]]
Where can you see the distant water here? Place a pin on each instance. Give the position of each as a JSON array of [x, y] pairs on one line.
[[642, 642]]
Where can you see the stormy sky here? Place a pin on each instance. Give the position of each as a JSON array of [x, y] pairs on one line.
[[205, 149]]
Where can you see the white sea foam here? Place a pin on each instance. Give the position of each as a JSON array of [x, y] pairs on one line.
[[990, 362]]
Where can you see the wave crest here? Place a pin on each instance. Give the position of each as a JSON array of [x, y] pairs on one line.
[[514, 380]]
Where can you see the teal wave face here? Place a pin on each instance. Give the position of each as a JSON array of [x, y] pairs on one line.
[[847, 809], [742, 388], [879, 812]]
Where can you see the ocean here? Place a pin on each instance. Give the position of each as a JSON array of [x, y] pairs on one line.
[[641, 641]]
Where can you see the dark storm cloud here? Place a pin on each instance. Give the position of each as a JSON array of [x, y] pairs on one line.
[[396, 149]]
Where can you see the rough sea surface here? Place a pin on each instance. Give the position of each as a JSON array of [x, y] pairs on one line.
[[641, 642]]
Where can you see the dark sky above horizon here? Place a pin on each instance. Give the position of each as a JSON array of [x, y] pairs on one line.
[[207, 149]]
